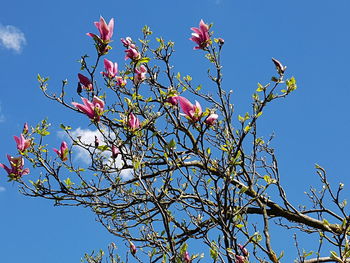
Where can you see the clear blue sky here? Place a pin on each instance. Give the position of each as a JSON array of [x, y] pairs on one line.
[[311, 126]]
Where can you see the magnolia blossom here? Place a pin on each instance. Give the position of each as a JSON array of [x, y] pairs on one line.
[[22, 143], [132, 53], [193, 112], [140, 74], [92, 109], [187, 257], [172, 100], [16, 170], [120, 81], [63, 152], [133, 121], [211, 119], [111, 69], [201, 35], [127, 42], [115, 151], [106, 31], [85, 82]]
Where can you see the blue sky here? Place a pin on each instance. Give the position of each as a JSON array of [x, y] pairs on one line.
[[48, 37]]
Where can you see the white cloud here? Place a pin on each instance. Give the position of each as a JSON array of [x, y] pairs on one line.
[[12, 38], [2, 189], [87, 137]]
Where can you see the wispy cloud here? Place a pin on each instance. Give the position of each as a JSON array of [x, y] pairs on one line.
[[87, 137], [2, 189], [12, 38]]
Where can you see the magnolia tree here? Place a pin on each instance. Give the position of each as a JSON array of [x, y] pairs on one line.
[[166, 174]]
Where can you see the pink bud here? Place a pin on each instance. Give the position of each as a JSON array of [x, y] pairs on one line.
[[239, 259], [127, 42], [133, 248], [187, 258], [63, 152], [244, 250], [172, 100], [85, 82], [111, 69], [211, 119], [115, 151], [25, 128], [132, 53], [133, 121], [140, 74], [221, 41]]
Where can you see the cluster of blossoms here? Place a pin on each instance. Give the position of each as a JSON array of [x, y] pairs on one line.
[[16, 169], [94, 109]]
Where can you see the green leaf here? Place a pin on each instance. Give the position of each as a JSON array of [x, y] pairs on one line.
[[260, 88]]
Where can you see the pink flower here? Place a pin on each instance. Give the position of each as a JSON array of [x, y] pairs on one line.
[[193, 112], [16, 170], [133, 248], [25, 128], [127, 42], [92, 109], [172, 100], [132, 53], [201, 35], [133, 121], [22, 143], [106, 31], [111, 69], [115, 151], [187, 258], [239, 259], [85, 82], [140, 74], [244, 250], [120, 81], [63, 152], [211, 119]]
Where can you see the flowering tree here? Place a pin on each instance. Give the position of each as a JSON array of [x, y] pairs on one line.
[[165, 172]]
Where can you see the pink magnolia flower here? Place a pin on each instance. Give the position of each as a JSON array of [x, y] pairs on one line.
[[133, 121], [85, 82], [22, 143], [187, 257], [193, 112], [132, 53], [140, 74], [127, 42], [120, 81], [111, 69], [63, 152], [16, 170], [106, 31], [201, 35], [115, 151], [211, 119], [92, 109], [172, 100]]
